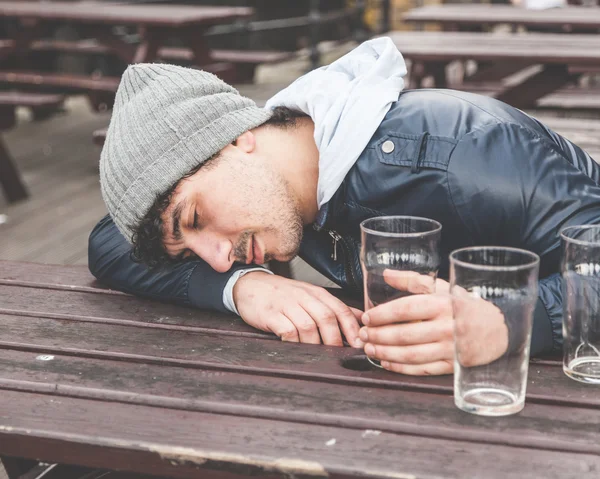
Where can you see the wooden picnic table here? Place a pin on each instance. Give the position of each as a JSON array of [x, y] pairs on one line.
[[97, 378], [562, 59], [155, 24], [460, 16]]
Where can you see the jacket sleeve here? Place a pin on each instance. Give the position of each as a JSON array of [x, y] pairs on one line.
[[192, 283], [514, 187]]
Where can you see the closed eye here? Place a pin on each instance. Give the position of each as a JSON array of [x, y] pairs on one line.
[[195, 225]]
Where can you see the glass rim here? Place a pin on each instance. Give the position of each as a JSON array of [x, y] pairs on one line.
[[564, 231], [535, 259], [437, 224]]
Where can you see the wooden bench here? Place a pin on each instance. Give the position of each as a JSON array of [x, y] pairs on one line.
[[100, 90], [11, 183], [569, 98], [245, 61]]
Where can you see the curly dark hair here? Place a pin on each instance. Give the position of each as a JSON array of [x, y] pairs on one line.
[[149, 233]]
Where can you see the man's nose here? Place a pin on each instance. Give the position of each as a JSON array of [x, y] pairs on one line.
[[215, 250]]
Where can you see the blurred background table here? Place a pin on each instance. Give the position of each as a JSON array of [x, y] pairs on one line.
[[471, 16]]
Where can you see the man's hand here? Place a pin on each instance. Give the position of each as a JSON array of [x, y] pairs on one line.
[[415, 335], [294, 310]]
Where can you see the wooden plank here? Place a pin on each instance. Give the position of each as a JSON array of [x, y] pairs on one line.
[[168, 53], [571, 98], [16, 98], [567, 18], [118, 309], [46, 274], [531, 47], [525, 94], [147, 439], [78, 82], [123, 14], [293, 400], [236, 353]]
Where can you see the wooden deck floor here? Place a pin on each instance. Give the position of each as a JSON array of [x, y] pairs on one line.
[[59, 164]]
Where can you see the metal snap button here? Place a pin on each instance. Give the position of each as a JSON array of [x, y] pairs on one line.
[[388, 146]]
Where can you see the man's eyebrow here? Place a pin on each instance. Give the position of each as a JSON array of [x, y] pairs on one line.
[[176, 220]]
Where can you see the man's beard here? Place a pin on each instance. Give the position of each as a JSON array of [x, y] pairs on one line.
[[287, 250]]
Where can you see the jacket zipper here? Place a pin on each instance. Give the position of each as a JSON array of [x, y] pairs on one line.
[[337, 238]]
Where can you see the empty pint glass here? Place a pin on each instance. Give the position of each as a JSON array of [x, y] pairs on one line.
[[494, 293], [581, 302], [405, 246]]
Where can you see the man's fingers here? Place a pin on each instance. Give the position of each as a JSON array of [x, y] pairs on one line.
[[409, 281], [442, 286], [304, 324], [347, 318], [419, 307], [405, 334], [325, 319], [357, 313], [284, 328], [415, 354], [430, 369]]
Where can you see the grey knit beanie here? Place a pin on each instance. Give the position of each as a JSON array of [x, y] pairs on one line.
[[166, 120]]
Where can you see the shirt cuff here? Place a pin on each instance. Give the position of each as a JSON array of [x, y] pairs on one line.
[[228, 291]]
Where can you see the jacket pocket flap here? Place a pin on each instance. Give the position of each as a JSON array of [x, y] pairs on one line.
[[408, 150]]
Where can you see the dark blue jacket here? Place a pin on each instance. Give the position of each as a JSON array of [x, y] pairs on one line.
[[488, 172]]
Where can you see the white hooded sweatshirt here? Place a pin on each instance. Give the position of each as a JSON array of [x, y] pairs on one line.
[[347, 100]]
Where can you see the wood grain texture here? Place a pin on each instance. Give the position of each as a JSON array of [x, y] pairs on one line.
[[249, 355], [73, 304], [182, 444], [299, 401], [112, 381], [123, 14], [530, 47], [569, 18]]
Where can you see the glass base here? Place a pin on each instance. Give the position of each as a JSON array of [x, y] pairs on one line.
[[489, 402], [375, 362], [585, 370]]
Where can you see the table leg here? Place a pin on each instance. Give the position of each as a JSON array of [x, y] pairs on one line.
[[492, 72], [30, 30], [202, 57], [438, 71], [103, 35], [194, 39], [16, 467], [245, 72], [151, 40], [14, 189], [549, 79], [417, 75]]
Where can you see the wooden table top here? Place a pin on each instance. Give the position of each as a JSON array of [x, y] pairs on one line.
[[555, 48], [98, 378], [123, 14], [478, 14]]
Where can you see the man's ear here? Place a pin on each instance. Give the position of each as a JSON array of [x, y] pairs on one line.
[[246, 142]]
